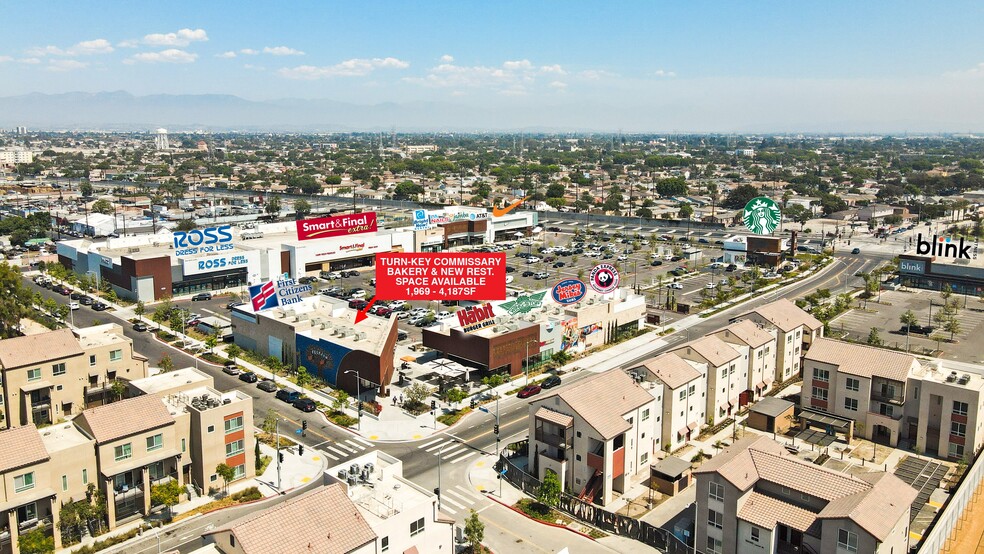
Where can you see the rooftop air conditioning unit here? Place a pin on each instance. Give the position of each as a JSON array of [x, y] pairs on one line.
[[951, 377], [964, 379]]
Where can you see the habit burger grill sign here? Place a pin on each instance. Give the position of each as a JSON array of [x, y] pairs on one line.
[[476, 317], [334, 226]]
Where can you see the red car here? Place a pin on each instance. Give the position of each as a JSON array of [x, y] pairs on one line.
[[529, 391]]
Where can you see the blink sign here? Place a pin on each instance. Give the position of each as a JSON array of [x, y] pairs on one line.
[[202, 241], [946, 247], [912, 266]]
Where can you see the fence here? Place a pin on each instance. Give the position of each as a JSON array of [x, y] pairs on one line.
[[616, 524], [935, 538]]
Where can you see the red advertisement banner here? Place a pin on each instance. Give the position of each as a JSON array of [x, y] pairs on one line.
[[337, 225], [440, 276]]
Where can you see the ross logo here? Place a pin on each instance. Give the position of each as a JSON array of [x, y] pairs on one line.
[[499, 212], [569, 291], [762, 215], [263, 296], [202, 240], [604, 278], [524, 304], [476, 317], [945, 246]]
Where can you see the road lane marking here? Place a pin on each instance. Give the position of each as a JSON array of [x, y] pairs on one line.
[[426, 444]]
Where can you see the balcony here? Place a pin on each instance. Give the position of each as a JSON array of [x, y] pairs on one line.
[[551, 438], [41, 404], [895, 400]]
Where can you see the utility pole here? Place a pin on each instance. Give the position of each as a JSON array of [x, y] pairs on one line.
[[497, 439], [278, 455]]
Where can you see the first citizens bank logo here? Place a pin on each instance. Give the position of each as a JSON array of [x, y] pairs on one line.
[[282, 292]]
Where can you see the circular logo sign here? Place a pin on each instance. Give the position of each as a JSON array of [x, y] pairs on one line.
[[604, 278], [761, 215], [569, 291]]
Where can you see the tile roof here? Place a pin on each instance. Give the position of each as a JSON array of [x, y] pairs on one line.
[[766, 511], [786, 315], [324, 521], [795, 474], [21, 446], [861, 360], [547, 414], [879, 509], [125, 418], [749, 332], [36, 349], [713, 349], [671, 369], [602, 399]]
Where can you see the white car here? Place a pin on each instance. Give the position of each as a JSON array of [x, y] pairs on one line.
[[532, 260], [444, 315], [710, 286], [73, 305], [622, 258], [676, 286], [509, 279], [397, 304]]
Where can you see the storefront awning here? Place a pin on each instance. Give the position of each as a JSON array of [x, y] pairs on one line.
[[693, 425], [761, 385], [767, 381]]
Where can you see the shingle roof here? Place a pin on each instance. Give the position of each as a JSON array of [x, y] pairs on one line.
[[21, 446], [765, 511], [749, 332], [786, 315], [671, 369], [547, 414], [324, 521], [125, 418], [711, 348], [36, 349], [602, 399], [860, 359]]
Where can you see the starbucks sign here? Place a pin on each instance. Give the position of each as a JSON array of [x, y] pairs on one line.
[[762, 215]]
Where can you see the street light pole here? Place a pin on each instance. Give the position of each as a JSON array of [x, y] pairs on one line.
[[278, 455]]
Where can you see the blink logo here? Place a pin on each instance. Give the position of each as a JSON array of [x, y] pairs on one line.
[[946, 247]]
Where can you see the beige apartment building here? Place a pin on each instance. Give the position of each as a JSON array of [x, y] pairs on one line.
[[678, 385], [756, 498], [727, 373], [761, 344], [796, 330], [51, 376]]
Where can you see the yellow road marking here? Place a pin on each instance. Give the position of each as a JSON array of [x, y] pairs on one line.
[[415, 437], [480, 464], [373, 437], [316, 459], [934, 504], [914, 535], [305, 479]]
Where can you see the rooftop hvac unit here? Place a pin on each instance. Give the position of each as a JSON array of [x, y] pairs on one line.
[[360, 336], [964, 379], [495, 329], [951, 377], [282, 315]]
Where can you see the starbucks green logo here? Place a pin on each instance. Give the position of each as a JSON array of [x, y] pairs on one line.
[[762, 215], [523, 304]]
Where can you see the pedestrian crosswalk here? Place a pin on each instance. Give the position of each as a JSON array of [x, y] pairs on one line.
[[449, 450], [341, 450], [457, 499]]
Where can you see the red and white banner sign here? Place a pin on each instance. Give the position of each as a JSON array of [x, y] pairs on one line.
[[337, 225], [440, 276]]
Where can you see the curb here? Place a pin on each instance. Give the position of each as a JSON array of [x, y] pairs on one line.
[[520, 512]]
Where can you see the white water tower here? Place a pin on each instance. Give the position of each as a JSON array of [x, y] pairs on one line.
[[161, 140]]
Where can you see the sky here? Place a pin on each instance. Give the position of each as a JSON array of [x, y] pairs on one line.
[[691, 65]]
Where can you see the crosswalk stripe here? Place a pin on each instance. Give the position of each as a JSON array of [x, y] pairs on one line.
[[469, 455], [338, 451], [436, 447], [356, 445], [458, 496], [446, 500], [363, 441], [330, 455], [426, 444], [451, 451], [462, 489]]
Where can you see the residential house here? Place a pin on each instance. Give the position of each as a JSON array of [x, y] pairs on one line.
[[761, 344], [727, 373], [682, 405], [796, 329]]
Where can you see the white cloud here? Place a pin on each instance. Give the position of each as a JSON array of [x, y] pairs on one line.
[[517, 65], [282, 51], [128, 43], [515, 90], [447, 58], [665, 74], [555, 69], [511, 78], [976, 71], [65, 65], [4, 59], [254, 67], [84, 48], [171, 55], [248, 52], [31, 61], [229, 54], [183, 37], [596, 74], [559, 85], [41, 51], [355, 67]]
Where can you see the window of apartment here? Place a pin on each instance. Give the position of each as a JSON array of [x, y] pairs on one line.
[[851, 404], [58, 369], [416, 527], [24, 482], [853, 384], [115, 355], [754, 535], [211, 428], [731, 368], [64, 482], [820, 394], [724, 372], [715, 491], [92, 360], [384, 544], [645, 415], [182, 445], [958, 429], [759, 354], [886, 410], [821, 374], [233, 424], [34, 374], [789, 338], [644, 458], [799, 334], [691, 389], [27, 512], [767, 348], [715, 519], [955, 450], [713, 546], [155, 442], [683, 395], [85, 476], [239, 472], [847, 540], [232, 540], [235, 447], [122, 452], [959, 408]]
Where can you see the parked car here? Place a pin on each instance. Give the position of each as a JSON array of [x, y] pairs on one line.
[[140, 327], [231, 368], [64, 291], [529, 391], [703, 241], [532, 260], [710, 286], [402, 335], [676, 286], [75, 295], [248, 376], [730, 268], [357, 304], [73, 305], [305, 405], [528, 273], [444, 315], [99, 306], [201, 296], [267, 385], [550, 382], [541, 276], [287, 395], [307, 280], [510, 269], [86, 301], [233, 304], [559, 264], [856, 251], [656, 262], [357, 293]]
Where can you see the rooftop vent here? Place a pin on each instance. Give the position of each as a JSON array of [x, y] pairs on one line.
[[951, 377], [964, 379]]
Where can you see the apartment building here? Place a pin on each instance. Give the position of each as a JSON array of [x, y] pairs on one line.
[[943, 409], [594, 434], [754, 497], [761, 343], [727, 373], [50, 376], [860, 383], [796, 330], [679, 394]]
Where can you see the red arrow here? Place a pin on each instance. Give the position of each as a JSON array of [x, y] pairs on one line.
[[363, 313]]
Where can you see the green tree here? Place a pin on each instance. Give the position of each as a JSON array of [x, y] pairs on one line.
[[269, 425], [407, 190], [873, 338], [272, 206], [233, 351], [36, 541], [165, 364], [454, 395], [740, 196], [686, 211], [166, 494], [227, 473], [549, 491], [102, 206], [908, 318], [417, 392], [341, 401], [118, 388], [474, 532], [140, 309], [211, 340], [952, 326], [186, 224], [303, 378], [15, 302], [86, 189], [302, 208], [176, 322]]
